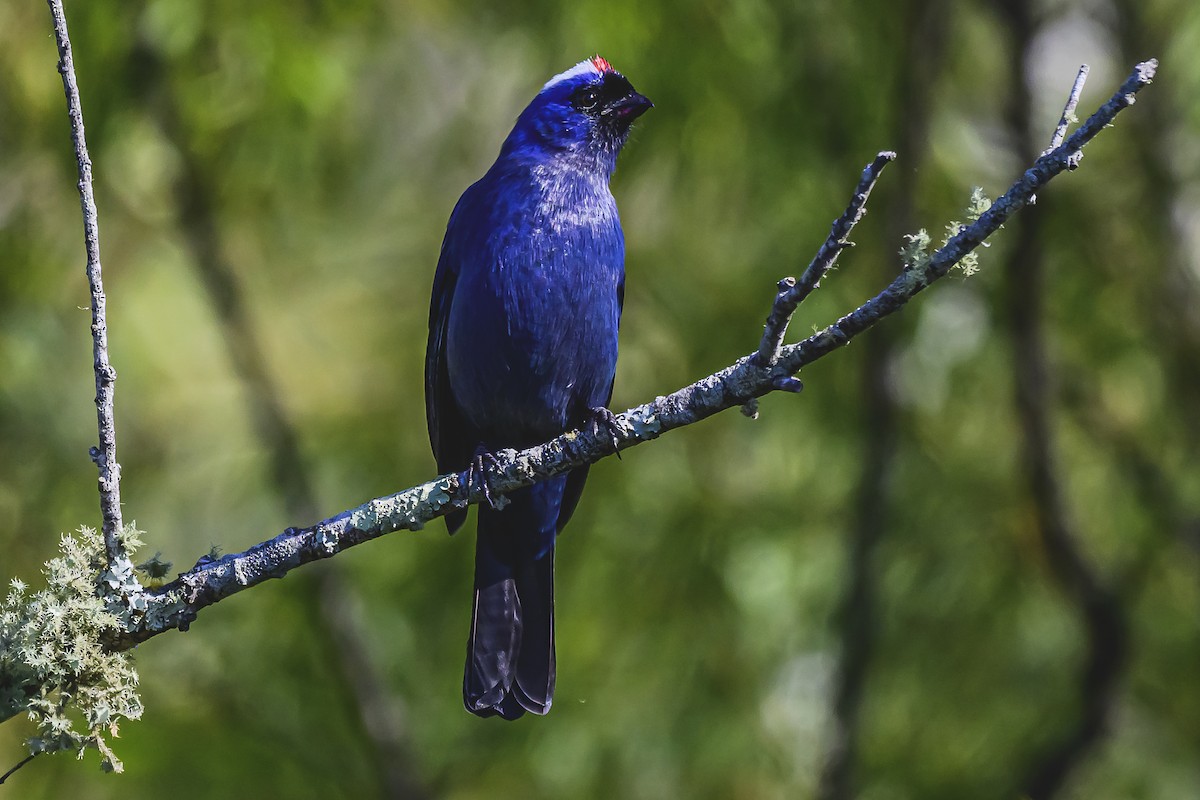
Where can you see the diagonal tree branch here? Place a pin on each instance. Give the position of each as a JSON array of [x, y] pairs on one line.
[[17, 766], [105, 455], [176, 604]]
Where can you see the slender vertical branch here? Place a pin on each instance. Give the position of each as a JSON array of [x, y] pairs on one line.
[[1068, 114], [105, 455]]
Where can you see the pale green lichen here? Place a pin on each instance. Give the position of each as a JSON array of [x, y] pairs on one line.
[[432, 496], [327, 541], [979, 203], [969, 263], [647, 427], [365, 518], [436, 493], [915, 255], [162, 611], [53, 664]]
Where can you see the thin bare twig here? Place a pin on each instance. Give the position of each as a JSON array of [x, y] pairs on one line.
[[20, 764], [105, 455], [792, 292], [1064, 122], [1068, 114], [176, 604]]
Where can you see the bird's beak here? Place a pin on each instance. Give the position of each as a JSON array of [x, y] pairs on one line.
[[629, 107]]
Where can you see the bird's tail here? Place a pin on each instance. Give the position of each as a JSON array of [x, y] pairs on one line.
[[510, 655]]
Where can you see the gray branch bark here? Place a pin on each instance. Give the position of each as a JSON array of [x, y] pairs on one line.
[[176, 604], [105, 455]]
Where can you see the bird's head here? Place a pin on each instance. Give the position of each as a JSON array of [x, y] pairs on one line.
[[581, 116]]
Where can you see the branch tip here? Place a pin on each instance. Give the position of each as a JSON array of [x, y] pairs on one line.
[[20, 764], [786, 383]]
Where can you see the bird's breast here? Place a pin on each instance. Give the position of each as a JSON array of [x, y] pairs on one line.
[[533, 325]]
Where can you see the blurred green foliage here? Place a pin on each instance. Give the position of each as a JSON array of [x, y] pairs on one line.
[[699, 582]]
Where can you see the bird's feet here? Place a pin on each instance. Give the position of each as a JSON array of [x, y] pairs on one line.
[[477, 471], [601, 421]]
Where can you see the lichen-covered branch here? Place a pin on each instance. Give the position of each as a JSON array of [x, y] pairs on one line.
[[176, 604], [53, 665], [105, 455], [916, 278]]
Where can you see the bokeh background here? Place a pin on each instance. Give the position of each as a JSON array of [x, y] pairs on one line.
[[965, 562]]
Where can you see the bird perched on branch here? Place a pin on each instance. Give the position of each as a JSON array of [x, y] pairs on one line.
[[522, 346]]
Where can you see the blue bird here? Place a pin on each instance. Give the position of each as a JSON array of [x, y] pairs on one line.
[[522, 346]]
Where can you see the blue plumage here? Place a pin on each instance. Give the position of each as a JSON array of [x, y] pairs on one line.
[[522, 346]]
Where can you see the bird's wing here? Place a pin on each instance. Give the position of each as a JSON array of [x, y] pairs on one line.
[[448, 432], [577, 477], [437, 383]]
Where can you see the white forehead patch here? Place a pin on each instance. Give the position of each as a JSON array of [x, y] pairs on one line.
[[585, 67]]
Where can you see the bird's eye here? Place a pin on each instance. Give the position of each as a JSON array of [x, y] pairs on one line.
[[586, 99]]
